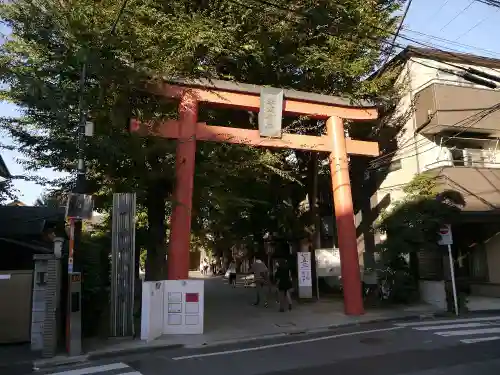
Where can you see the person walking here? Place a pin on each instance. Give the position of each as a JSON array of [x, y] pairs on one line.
[[261, 278], [284, 284], [232, 274]]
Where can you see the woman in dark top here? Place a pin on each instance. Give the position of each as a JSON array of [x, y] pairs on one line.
[[284, 283]]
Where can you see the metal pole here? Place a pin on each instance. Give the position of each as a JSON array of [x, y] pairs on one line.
[[80, 179], [76, 224], [452, 274], [70, 271]]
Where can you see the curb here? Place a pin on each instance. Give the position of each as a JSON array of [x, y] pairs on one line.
[[43, 364], [298, 331], [127, 351], [118, 352]]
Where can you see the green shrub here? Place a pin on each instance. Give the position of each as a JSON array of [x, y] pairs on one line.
[[95, 266]]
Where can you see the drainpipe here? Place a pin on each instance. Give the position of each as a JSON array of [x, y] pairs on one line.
[[413, 261], [413, 118]]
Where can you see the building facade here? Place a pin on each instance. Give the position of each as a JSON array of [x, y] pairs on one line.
[[449, 127]]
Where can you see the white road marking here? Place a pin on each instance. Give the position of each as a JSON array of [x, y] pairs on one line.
[[482, 331], [450, 326], [92, 370], [263, 347], [480, 339], [448, 321]]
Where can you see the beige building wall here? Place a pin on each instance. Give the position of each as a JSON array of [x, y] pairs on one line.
[[415, 151]]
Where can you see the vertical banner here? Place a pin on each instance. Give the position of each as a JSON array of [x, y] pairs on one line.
[[123, 265], [304, 274]]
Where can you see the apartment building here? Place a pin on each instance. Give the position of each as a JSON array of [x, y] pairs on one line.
[[451, 130]]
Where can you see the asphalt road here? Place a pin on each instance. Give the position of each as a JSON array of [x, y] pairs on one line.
[[438, 347]]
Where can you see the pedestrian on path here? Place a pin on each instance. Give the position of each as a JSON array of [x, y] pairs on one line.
[[284, 283], [261, 278], [232, 274], [273, 286], [205, 266]]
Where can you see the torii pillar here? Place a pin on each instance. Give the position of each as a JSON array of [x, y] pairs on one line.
[[187, 130]]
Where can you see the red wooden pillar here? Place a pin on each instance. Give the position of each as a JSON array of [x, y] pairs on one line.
[[344, 214], [180, 226]]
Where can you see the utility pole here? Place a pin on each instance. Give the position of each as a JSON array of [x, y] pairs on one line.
[[76, 224], [80, 187]]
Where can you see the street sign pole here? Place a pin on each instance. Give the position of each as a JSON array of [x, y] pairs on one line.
[[447, 240], [453, 284]]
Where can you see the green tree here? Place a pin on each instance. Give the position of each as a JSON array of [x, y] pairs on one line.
[[412, 224], [326, 47], [7, 191], [51, 198]]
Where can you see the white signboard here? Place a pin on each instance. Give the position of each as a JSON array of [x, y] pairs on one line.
[[327, 262], [446, 235], [304, 268], [183, 307], [270, 112], [152, 310]]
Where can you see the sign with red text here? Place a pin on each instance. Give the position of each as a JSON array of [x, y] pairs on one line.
[[184, 307], [446, 237]]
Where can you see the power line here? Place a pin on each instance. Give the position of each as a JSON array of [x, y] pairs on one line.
[[401, 36], [459, 57], [396, 34], [477, 24], [484, 113], [493, 3], [457, 15], [119, 15], [454, 42], [386, 157], [437, 11], [467, 120]]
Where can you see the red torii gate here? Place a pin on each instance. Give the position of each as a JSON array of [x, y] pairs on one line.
[[188, 130]]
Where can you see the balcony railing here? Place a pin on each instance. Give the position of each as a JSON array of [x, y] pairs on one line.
[[466, 157]]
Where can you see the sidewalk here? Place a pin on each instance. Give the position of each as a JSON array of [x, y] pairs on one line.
[[231, 317], [15, 354]]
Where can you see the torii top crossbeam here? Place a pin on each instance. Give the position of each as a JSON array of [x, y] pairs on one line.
[[248, 97]]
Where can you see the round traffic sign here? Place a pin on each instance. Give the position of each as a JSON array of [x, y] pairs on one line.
[[444, 230]]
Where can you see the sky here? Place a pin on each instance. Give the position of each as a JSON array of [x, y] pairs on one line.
[[456, 25]]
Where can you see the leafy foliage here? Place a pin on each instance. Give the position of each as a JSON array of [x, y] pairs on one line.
[[412, 224], [7, 191]]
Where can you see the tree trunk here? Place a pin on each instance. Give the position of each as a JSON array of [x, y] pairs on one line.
[[156, 264]]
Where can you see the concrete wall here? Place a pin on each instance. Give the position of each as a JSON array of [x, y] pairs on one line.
[[15, 314], [433, 293]]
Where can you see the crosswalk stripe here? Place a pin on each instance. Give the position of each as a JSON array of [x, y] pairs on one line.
[[447, 321], [481, 331], [93, 370], [450, 326], [480, 339]]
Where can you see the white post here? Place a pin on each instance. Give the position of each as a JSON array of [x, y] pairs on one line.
[[453, 284], [317, 277]]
